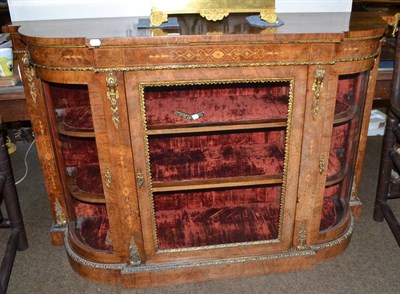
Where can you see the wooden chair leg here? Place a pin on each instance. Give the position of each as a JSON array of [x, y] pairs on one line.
[[390, 158], [17, 239], [391, 220], [386, 165], [11, 197]]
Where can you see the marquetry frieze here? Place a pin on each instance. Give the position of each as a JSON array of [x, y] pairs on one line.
[[63, 56], [201, 54], [351, 49]]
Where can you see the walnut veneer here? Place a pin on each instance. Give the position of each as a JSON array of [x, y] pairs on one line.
[[209, 151]]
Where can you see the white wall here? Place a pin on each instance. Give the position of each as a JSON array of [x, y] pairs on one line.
[[21, 10], [313, 5]]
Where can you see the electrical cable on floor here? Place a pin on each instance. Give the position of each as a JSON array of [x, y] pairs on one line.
[[26, 164]]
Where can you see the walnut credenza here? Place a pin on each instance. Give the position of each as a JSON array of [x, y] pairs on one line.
[[215, 150]]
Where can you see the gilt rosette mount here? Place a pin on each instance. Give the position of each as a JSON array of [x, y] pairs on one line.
[[213, 10]]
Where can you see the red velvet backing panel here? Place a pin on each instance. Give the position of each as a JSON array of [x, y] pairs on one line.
[[342, 106], [221, 155], [93, 233], [78, 119], [69, 96], [334, 164], [328, 214], [351, 91], [88, 179], [191, 219], [79, 151], [345, 93], [220, 103], [332, 191], [329, 207], [339, 144], [339, 136], [92, 225], [86, 210]]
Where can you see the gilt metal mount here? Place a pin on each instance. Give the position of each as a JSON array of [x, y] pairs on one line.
[[213, 10]]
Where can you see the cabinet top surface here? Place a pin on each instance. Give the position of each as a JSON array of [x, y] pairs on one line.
[[329, 26]]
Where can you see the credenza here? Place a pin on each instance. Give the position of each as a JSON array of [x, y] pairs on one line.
[[204, 151]]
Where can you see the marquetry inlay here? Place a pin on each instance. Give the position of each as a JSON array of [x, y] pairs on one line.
[[212, 55]]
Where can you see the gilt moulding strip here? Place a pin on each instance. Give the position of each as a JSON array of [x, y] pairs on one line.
[[88, 263], [195, 66], [131, 269], [335, 242], [151, 268]]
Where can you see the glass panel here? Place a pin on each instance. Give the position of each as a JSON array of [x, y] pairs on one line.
[[345, 137], [71, 107], [217, 155], [79, 163], [222, 216], [332, 208], [220, 184], [209, 104]]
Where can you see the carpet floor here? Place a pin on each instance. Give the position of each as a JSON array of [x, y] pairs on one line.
[[369, 265]]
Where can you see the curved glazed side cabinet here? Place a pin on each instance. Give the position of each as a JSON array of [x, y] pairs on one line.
[[172, 155]]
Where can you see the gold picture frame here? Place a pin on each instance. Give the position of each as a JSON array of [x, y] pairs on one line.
[[213, 10]]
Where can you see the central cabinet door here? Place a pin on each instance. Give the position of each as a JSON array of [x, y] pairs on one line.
[[216, 154]]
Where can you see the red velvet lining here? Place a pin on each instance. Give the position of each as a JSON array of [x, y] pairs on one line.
[[351, 91], [341, 106], [191, 219], [85, 210], [92, 225], [337, 160], [221, 155], [345, 94], [330, 207], [68, 95], [93, 233], [88, 179], [78, 119], [79, 151], [334, 164], [328, 215], [339, 136], [220, 103]]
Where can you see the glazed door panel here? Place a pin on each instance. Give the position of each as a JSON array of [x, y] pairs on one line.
[[216, 171], [351, 84], [84, 157]]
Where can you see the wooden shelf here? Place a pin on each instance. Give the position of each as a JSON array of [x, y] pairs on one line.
[[79, 194], [346, 116], [81, 134], [216, 183], [75, 122], [218, 128], [86, 197], [338, 177]]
